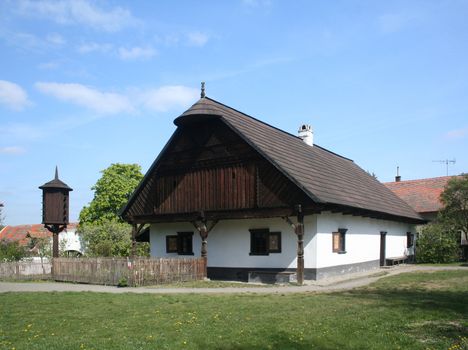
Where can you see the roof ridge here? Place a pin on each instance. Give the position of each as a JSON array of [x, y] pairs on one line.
[[418, 180], [276, 128]]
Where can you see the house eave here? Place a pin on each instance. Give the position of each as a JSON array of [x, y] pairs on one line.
[[347, 210], [239, 214], [232, 214]]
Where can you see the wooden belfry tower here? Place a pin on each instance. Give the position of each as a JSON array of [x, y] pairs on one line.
[[55, 202]]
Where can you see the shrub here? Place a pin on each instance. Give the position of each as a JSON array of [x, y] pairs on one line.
[[122, 282], [437, 244], [11, 250], [110, 238]]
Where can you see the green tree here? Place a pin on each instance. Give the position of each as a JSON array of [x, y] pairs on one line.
[[1, 216], [41, 247], [103, 232], [111, 192], [436, 244], [110, 238], [12, 250], [455, 199]]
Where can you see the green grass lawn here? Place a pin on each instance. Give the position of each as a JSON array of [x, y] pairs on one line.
[[409, 311], [211, 284]]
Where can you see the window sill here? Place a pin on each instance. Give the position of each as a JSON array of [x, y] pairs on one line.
[[259, 254], [186, 253]]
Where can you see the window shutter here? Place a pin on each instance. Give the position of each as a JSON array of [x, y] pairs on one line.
[[409, 239], [336, 242], [342, 232], [171, 244], [274, 242], [184, 243], [259, 241]]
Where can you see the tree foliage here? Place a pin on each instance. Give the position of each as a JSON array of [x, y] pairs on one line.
[[111, 192], [455, 199], [1, 216], [12, 250], [110, 238], [437, 244], [41, 247], [103, 232]]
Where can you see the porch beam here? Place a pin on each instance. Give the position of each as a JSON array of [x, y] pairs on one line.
[[247, 213]]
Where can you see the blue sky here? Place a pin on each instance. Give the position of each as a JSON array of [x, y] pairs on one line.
[[84, 84]]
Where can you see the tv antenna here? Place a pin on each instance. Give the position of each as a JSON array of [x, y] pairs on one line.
[[446, 161]]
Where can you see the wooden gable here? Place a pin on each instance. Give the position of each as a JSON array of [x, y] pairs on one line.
[[208, 167]]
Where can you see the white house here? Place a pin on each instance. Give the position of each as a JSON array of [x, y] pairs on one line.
[[250, 197], [69, 239]]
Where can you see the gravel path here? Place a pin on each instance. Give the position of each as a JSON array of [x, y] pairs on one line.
[[327, 285]]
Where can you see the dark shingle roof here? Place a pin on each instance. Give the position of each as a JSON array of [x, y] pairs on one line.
[[325, 176], [56, 183]]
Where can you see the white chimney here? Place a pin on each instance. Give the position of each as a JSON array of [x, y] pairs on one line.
[[306, 134]]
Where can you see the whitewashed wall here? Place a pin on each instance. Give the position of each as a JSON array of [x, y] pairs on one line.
[[69, 239], [362, 239], [229, 243]]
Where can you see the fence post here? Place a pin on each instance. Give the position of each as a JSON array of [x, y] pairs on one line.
[[52, 268]]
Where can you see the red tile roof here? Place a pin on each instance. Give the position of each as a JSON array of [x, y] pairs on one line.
[[423, 194], [21, 232]]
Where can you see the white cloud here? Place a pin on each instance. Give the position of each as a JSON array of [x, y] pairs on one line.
[[168, 97], [13, 150], [94, 47], [26, 40], [135, 53], [49, 65], [32, 42], [79, 12], [197, 39], [20, 131], [159, 99], [12, 95], [456, 134], [172, 39], [81, 95]]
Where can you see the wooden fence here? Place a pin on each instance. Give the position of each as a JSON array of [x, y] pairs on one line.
[[134, 272], [25, 270]]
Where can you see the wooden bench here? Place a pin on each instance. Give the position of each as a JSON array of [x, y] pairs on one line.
[[396, 260]]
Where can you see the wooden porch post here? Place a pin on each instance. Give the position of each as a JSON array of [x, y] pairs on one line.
[[204, 251], [202, 228], [299, 231], [300, 245]]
